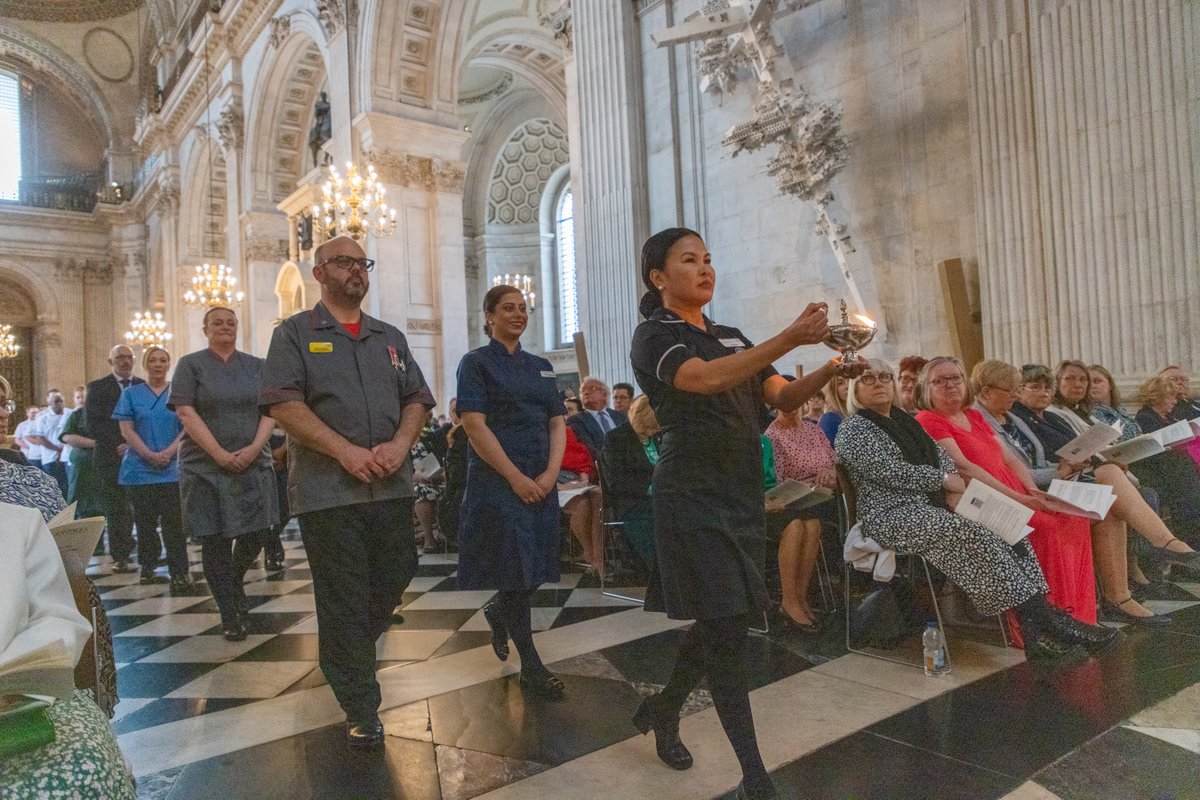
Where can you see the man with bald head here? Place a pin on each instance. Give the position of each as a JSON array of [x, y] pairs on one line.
[[345, 388], [102, 395]]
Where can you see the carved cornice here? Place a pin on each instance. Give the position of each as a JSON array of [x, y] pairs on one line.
[[47, 335], [68, 10], [433, 326], [449, 176], [419, 172], [490, 93]]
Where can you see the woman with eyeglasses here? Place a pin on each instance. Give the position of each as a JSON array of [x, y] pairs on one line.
[[1062, 542], [1035, 435], [910, 368], [908, 488], [227, 481]]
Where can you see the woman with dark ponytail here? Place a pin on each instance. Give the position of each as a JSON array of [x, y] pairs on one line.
[[707, 384], [508, 533]]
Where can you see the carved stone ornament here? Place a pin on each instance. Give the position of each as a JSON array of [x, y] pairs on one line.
[[403, 169], [449, 176], [229, 128], [167, 202], [332, 15], [98, 274], [556, 15], [47, 336], [265, 248], [424, 326], [281, 28], [68, 270]]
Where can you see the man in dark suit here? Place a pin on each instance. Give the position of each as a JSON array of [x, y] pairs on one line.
[[102, 395], [595, 421]]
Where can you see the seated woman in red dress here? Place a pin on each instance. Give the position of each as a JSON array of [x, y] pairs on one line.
[[583, 510], [1063, 543]]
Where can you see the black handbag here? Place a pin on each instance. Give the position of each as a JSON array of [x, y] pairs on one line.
[[886, 616]]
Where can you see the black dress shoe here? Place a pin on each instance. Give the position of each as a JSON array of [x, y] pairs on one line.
[[180, 582], [764, 791], [499, 631], [366, 734], [1098, 640], [653, 713], [543, 684], [1114, 612], [806, 628], [1044, 651], [152, 578], [1164, 557], [234, 628]]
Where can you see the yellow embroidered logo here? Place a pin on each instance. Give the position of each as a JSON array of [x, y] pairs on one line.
[[320, 347]]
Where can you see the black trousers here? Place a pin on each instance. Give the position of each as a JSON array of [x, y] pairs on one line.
[[225, 563], [58, 471], [362, 558], [117, 514], [154, 503]]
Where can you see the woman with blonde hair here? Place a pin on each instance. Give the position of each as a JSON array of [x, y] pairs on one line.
[[150, 469], [627, 466], [1062, 542], [1106, 402], [834, 393]]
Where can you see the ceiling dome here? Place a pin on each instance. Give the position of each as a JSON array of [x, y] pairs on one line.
[[66, 10]]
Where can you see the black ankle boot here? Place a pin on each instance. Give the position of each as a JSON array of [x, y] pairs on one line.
[[653, 713], [1045, 618], [760, 789]]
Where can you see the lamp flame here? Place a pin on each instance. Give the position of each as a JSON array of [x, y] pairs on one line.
[[865, 320]]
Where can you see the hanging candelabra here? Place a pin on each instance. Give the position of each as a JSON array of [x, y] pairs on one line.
[[213, 285], [147, 328], [354, 205], [522, 282], [8, 343]]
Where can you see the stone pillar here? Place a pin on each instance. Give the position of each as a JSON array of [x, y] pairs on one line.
[[419, 284], [99, 318], [61, 337], [265, 254], [1087, 180], [610, 183]]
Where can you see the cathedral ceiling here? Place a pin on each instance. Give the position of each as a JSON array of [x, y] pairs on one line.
[[66, 10]]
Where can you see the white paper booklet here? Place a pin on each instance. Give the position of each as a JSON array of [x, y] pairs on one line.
[[1091, 500], [45, 672], [995, 511], [788, 494], [76, 538], [1089, 443], [427, 467], [1150, 444]]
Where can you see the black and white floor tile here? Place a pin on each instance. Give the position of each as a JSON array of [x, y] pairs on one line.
[[202, 717]]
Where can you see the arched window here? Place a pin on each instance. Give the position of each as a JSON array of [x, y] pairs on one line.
[[10, 137], [568, 299]]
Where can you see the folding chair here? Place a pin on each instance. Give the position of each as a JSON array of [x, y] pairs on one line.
[[610, 528]]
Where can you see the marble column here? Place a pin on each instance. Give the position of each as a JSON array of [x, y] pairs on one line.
[[1087, 170], [611, 217]]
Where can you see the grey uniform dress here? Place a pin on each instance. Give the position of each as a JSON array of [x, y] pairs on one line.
[[225, 396]]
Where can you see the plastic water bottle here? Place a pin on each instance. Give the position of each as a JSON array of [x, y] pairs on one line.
[[935, 650]]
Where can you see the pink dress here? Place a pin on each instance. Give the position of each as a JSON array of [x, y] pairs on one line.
[[801, 451], [1063, 543]]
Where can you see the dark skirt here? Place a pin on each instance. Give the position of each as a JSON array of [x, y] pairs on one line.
[[503, 543]]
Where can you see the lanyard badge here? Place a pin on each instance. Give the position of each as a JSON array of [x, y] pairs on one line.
[[397, 364]]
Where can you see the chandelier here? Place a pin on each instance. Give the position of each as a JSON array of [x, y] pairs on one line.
[[522, 282], [213, 285], [8, 342], [146, 329], [354, 205]]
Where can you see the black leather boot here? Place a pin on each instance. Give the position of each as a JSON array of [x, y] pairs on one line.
[[652, 713]]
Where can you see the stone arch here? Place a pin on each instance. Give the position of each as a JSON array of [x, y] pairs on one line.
[[64, 71], [203, 233], [280, 118], [290, 290], [26, 301], [532, 153]]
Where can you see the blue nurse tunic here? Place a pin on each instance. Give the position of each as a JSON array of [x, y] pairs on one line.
[[504, 543]]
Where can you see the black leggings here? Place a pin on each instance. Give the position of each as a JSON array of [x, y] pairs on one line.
[[225, 564], [716, 649], [514, 608]]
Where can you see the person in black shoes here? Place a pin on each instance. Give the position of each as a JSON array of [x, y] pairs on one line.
[[346, 389], [508, 535], [225, 477], [907, 487], [707, 384]]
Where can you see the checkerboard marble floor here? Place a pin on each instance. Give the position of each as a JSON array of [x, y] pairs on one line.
[[201, 717]]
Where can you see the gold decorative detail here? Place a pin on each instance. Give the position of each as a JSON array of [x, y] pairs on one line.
[[354, 205], [8, 343], [147, 328], [213, 285]]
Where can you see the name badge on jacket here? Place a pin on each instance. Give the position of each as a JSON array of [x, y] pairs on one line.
[[733, 344], [320, 347]]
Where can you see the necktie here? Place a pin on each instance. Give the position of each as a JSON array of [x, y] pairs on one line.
[[124, 383], [606, 424]]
